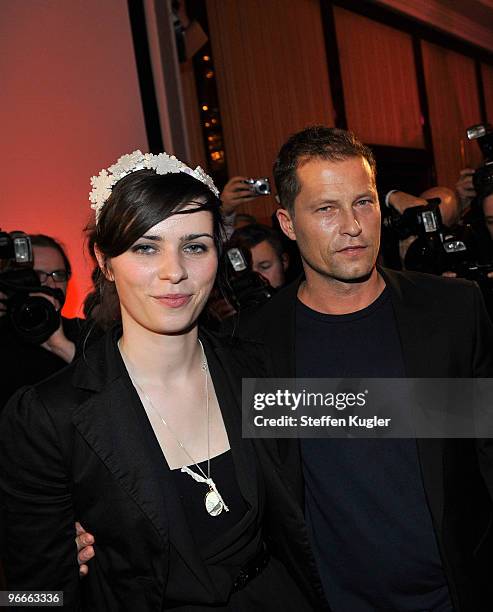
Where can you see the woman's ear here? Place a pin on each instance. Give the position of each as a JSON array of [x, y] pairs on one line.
[[103, 264]]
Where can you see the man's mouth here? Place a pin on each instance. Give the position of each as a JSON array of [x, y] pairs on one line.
[[352, 249]]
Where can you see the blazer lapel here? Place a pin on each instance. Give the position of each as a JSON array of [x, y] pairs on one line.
[[115, 426], [419, 334], [227, 374], [109, 424]]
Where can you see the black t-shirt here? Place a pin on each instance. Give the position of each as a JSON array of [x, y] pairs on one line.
[[369, 523]]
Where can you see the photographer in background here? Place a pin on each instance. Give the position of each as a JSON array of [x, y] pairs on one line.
[[257, 270], [23, 361], [239, 190], [439, 207], [269, 258]]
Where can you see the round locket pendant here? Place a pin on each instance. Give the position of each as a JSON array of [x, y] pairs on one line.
[[213, 504]]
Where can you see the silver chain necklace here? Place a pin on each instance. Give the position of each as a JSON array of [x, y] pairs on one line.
[[214, 503]]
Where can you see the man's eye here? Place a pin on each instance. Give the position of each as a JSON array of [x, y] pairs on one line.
[[364, 202], [195, 249], [324, 208], [265, 266]]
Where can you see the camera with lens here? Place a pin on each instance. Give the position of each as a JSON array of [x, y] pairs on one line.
[[483, 177], [247, 288], [436, 248], [259, 186], [33, 317]]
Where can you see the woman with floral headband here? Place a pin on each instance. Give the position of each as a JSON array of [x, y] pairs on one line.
[[140, 439]]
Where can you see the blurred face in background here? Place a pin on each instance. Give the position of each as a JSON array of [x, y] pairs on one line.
[[50, 267], [269, 264]]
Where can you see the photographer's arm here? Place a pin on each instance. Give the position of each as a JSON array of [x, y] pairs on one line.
[[400, 200], [235, 192], [59, 344]]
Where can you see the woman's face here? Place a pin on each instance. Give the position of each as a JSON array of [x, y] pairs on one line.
[[164, 279]]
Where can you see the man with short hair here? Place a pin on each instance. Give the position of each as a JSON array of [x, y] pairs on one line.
[[24, 362], [394, 524], [269, 259]]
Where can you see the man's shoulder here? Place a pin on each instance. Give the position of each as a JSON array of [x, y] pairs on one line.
[[428, 286], [256, 322]]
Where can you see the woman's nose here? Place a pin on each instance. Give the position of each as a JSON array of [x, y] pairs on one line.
[[172, 268]]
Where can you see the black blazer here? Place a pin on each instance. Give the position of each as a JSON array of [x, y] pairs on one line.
[[72, 448], [445, 332]]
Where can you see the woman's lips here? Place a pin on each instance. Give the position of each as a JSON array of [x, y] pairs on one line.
[[174, 300]]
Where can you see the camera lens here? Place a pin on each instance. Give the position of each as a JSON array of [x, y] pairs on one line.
[[34, 318]]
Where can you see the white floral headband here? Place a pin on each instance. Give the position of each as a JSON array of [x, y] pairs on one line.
[[161, 164]]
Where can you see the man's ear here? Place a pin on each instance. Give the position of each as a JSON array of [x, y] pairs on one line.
[[286, 223], [103, 264]]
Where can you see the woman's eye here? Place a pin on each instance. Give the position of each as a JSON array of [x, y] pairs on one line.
[[144, 249], [195, 249]]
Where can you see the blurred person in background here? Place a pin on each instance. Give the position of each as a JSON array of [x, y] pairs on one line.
[[269, 258], [23, 362]]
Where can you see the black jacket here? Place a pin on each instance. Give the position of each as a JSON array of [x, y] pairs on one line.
[[72, 448], [445, 332]]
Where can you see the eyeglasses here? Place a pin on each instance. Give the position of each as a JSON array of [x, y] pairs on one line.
[[58, 276]]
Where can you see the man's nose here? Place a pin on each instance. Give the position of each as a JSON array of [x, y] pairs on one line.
[[349, 223], [49, 282], [172, 268]]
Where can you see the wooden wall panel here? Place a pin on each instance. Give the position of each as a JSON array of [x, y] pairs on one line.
[[379, 80], [272, 80], [454, 106], [487, 72], [192, 115]]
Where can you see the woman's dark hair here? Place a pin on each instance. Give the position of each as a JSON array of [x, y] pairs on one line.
[[41, 240], [137, 202]]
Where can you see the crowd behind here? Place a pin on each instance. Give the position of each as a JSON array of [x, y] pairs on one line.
[[271, 261]]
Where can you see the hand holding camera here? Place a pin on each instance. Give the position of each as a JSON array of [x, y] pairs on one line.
[[240, 189]]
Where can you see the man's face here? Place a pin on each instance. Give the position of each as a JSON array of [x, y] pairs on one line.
[[488, 213], [267, 263], [46, 261], [336, 220]]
